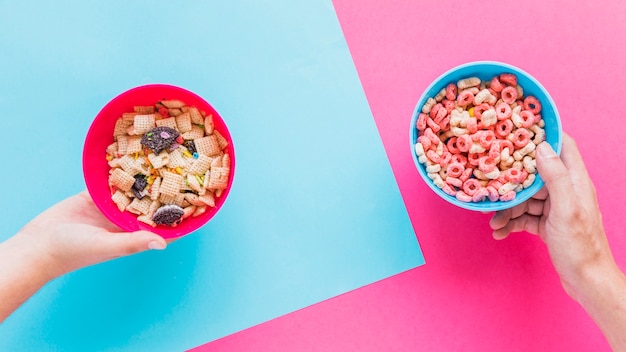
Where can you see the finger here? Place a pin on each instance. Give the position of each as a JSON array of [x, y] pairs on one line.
[[528, 223], [571, 156], [554, 174], [542, 194], [126, 243], [578, 172], [500, 219]]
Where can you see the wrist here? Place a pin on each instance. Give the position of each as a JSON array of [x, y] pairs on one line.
[[32, 256], [593, 282]]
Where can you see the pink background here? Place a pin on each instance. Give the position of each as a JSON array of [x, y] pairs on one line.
[[474, 293]]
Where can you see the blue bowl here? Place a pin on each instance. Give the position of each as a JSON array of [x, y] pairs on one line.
[[486, 70]]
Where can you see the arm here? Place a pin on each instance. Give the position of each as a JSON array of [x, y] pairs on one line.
[[566, 216], [68, 236]]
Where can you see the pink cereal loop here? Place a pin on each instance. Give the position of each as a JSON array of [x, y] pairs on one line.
[[432, 136], [528, 118], [503, 128], [472, 125], [451, 144], [433, 156], [434, 109], [473, 158], [433, 126], [508, 196], [531, 103], [486, 164], [509, 79], [448, 190], [441, 113], [466, 174], [463, 143], [480, 195], [487, 138], [445, 123], [479, 109], [494, 150], [521, 137], [503, 111], [471, 186], [463, 197], [425, 141], [509, 94], [445, 159], [496, 85], [459, 158], [514, 175], [449, 104], [455, 169], [451, 91], [465, 98], [421, 121], [493, 194], [505, 143], [454, 181]]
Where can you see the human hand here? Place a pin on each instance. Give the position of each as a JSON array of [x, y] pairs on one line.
[[73, 234], [565, 215]]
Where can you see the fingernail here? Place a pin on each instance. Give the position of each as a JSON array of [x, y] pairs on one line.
[[156, 245], [545, 150]]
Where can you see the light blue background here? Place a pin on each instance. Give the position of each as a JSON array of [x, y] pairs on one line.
[[314, 210]]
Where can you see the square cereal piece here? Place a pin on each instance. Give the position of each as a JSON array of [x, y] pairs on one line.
[[144, 123], [112, 149], [195, 133], [121, 179], [141, 206], [208, 145], [220, 139], [226, 160], [177, 159], [219, 178], [172, 104], [160, 160], [133, 166], [196, 117], [200, 166], [217, 161], [120, 199], [122, 144], [154, 188], [146, 219], [183, 121], [129, 116], [171, 184], [153, 207], [168, 122], [134, 145], [177, 199], [208, 124], [207, 199], [121, 125], [144, 109], [174, 112]]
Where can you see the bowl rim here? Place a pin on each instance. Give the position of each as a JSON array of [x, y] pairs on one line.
[[124, 220], [485, 206]]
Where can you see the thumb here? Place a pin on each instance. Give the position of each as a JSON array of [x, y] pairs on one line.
[[554, 173], [122, 244]]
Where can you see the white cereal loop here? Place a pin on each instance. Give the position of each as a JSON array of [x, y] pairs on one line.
[[430, 102], [482, 96], [529, 180], [468, 82]]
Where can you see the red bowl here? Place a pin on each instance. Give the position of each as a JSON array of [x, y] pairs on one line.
[[100, 135]]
